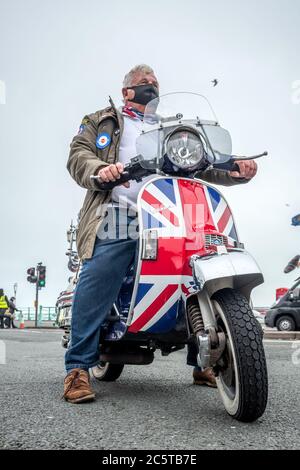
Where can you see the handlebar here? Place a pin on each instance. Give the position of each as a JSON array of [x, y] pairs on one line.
[[228, 166], [135, 171], [106, 186], [132, 171]]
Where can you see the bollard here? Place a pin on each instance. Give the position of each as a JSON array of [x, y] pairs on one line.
[[22, 324]]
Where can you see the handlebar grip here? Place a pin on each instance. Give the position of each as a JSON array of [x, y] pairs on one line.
[[112, 184], [229, 166]]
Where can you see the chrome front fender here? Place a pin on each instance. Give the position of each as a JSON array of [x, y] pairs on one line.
[[235, 270]]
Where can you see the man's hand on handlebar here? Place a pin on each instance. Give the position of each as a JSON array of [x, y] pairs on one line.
[[247, 169], [112, 173]]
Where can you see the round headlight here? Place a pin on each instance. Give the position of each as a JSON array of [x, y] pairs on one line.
[[184, 149]]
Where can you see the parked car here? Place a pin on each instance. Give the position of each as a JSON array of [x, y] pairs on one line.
[[285, 313], [260, 317]]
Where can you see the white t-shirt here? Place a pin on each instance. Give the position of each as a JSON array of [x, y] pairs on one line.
[[128, 196]]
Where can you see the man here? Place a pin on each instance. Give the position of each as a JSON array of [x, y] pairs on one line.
[[104, 144], [12, 310], [4, 303]]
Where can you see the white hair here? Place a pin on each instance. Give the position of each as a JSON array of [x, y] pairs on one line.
[[143, 68]]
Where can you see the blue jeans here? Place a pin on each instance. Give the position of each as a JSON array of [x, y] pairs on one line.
[[97, 289]]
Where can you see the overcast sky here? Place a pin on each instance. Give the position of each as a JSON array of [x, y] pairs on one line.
[[60, 59]]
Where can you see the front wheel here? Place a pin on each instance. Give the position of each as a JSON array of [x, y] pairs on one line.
[[106, 372], [241, 372]]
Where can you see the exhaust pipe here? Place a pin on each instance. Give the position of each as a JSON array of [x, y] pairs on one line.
[[134, 358]]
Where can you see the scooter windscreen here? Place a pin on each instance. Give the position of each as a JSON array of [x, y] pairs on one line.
[[183, 127]]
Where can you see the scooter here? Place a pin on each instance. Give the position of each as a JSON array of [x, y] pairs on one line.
[[193, 278]]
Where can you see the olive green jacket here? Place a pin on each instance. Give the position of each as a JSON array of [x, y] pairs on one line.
[[86, 159]]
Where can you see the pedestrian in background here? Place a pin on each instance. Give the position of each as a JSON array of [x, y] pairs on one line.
[[4, 306], [12, 310]]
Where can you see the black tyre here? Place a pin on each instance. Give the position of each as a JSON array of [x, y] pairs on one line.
[[106, 372], [241, 373], [285, 323]]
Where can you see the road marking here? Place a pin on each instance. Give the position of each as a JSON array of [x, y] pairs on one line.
[[2, 353], [22, 331], [281, 341], [16, 331]]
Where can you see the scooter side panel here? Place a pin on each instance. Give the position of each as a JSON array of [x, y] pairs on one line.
[[182, 211], [221, 214]]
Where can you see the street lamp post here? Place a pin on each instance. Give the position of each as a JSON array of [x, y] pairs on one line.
[[36, 304], [15, 289]]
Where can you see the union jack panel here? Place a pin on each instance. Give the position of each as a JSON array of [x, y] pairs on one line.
[[182, 211], [221, 214]]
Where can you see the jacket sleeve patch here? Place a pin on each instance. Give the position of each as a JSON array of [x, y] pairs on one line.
[[83, 125], [81, 129]]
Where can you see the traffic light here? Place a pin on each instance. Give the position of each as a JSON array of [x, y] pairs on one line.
[[41, 275], [31, 275]]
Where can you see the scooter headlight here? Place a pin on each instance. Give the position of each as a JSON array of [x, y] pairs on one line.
[[184, 149]]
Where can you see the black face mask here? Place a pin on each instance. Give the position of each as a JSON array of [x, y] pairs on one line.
[[144, 93]]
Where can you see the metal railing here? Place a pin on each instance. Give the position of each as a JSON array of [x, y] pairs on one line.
[[44, 314]]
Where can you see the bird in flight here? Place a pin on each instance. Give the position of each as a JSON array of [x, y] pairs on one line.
[[215, 82]]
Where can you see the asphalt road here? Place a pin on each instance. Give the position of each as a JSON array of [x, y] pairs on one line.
[[149, 407]]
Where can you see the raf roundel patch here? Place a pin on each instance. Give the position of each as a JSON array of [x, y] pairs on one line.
[[103, 140]]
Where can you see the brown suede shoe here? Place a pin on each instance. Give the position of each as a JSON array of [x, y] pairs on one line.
[[205, 377], [77, 388]]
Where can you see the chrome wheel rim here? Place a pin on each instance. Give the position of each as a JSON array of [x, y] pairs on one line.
[[285, 325], [227, 379]]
